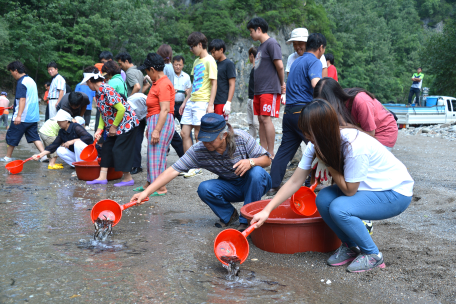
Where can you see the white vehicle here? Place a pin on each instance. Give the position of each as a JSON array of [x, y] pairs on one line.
[[438, 110]]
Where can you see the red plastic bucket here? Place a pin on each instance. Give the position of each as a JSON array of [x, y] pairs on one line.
[[287, 232], [89, 171]]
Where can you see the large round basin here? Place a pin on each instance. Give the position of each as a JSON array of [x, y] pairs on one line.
[[89, 171], [287, 232]]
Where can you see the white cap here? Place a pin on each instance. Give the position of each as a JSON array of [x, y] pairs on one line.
[[63, 115], [87, 76], [298, 34], [80, 120]]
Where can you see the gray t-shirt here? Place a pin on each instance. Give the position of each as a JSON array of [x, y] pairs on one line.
[[266, 77], [64, 104], [169, 71], [134, 76]]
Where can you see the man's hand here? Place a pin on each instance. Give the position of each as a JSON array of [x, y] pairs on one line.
[[259, 218], [241, 167], [17, 120], [155, 137], [139, 198], [113, 130], [227, 108], [284, 88], [210, 109]]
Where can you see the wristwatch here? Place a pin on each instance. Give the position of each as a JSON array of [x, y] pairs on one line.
[[252, 163]]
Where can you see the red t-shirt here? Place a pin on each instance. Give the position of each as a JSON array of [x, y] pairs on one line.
[[332, 72], [46, 96], [162, 90], [370, 115]]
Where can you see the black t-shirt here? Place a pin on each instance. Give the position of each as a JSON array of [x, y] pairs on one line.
[[65, 104], [252, 84], [225, 71]]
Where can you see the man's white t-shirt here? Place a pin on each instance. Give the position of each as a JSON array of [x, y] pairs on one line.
[[368, 162], [295, 55]]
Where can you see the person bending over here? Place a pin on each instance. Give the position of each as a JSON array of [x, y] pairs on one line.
[[369, 183], [234, 156]]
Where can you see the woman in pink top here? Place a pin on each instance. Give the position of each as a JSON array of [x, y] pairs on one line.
[[359, 107]]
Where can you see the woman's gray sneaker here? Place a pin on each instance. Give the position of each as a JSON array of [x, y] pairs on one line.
[[365, 262], [343, 255]]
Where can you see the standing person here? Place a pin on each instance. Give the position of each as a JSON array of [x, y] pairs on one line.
[[106, 56], [415, 89], [26, 113], [160, 119], [46, 99], [182, 87], [201, 101], [111, 71], [226, 78], [299, 38], [135, 80], [57, 88], [359, 107], [235, 157], [71, 139], [120, 121], [369, 183], [83, 88], [332, 71], [269, 81], [252, 119], [4, 102], [304, 76]]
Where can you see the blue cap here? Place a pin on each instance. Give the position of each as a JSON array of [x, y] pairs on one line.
[[211, 126], [4, 93]]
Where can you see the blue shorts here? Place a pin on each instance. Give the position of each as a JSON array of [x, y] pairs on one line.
[[15, 133]]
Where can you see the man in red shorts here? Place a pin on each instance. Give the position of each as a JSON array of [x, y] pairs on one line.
[[268, 80]]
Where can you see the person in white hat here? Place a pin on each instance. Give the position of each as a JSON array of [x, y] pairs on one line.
[[70, 141], [299, 39]]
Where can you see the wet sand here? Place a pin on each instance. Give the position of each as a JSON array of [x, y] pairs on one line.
[[162, 251]]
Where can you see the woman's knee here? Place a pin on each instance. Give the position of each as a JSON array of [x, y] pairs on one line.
[[61, 151], [325, 197]]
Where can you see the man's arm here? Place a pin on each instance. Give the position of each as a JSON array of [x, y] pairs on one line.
[[280, 71], [210, 107], [314, 81], [136, 89], [243, 165], [232, 84], [324, 72], [83, 110], [17, 120], [60, 97]]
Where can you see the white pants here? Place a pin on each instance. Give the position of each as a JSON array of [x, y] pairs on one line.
[[52, 109], [193, 112], [252, 120], [71, 157]]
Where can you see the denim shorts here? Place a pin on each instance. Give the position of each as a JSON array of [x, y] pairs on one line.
[[15, 133]]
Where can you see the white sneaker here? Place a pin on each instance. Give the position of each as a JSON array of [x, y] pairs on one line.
[[44, 158], [6, 159], [193, 172]]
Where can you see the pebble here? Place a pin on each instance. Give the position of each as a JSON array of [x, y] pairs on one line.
[[328, 282], [444, 131]]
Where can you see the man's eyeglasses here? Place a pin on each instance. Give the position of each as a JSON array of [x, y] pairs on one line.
[[192, 46]]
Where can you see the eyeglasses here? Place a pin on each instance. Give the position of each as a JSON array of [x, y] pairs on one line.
[[192, 46]]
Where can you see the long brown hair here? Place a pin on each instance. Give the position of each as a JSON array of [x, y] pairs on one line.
[[320, 120], [230, 139]]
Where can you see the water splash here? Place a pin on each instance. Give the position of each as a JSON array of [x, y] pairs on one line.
[[232, 267], [103, 228]]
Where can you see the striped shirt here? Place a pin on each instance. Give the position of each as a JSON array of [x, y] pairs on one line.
[[58, 83], [199, 157]]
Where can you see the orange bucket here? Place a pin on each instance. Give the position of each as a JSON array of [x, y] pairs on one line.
[[303, 201], [16, 166], [111, 210], [89, 153], [232, 243]]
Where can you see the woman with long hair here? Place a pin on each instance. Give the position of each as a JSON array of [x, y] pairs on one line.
[[358, 106], [369, 183], [119, 120], [160, 119]]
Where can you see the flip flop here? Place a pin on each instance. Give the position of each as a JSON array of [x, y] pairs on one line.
[[157, 194], [139, 189], [55, 167]]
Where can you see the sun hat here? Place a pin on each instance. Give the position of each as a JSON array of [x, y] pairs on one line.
[[298, 34], [80, 120], [211, 126], [63, 115], [87, 76]]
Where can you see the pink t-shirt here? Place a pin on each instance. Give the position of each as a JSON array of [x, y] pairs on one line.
[[4, 102], [370, 115]]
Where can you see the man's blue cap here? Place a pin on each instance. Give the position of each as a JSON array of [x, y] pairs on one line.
[[4, 93], [211, 126]]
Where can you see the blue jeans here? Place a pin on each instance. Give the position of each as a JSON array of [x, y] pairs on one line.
[[218, 194], [343, 213]]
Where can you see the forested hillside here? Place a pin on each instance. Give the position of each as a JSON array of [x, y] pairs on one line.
[[377, 44]]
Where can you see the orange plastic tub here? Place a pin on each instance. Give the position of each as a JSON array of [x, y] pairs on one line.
[[287, 232], [89, 171]]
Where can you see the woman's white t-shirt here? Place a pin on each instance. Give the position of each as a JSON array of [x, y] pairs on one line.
[[368, 162]]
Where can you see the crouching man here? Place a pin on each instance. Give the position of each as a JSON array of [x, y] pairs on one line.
[[235, 157]]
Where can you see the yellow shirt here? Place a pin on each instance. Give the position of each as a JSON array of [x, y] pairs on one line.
[[50, 127], [203, 71]]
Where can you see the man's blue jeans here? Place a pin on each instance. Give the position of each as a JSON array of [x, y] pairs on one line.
[[343, 213], [218, 194]]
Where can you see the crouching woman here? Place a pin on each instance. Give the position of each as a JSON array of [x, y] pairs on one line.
[[70, 141], [369, 183]]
